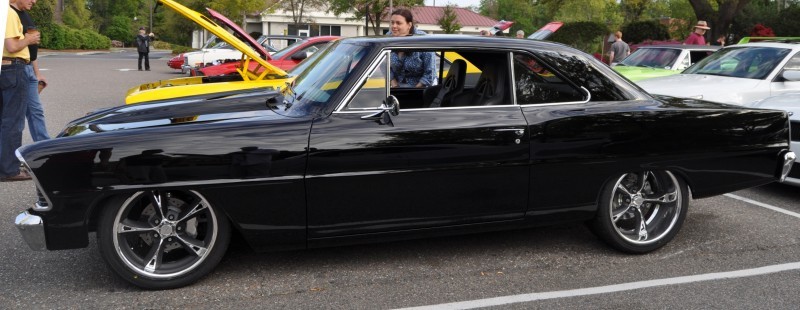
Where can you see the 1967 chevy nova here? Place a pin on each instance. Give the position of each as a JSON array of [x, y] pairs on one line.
[[547, 134]]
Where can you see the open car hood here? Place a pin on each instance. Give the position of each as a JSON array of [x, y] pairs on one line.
[[252, 50], [546, 31]]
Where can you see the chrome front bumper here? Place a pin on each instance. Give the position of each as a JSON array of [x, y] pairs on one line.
[[788, 161], [32, 229]]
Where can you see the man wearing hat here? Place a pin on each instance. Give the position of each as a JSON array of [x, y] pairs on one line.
[[697, 37], [143, 47]]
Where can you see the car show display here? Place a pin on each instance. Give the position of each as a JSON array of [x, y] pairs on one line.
[[661, 60], [752, 74], [546, 134]]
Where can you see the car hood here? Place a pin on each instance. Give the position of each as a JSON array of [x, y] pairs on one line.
[[212, 108], [700, 86], [634, 73], [254, 52]]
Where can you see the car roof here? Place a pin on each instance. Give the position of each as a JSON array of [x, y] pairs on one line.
[[793, 46], [435, 41], [684, 47]]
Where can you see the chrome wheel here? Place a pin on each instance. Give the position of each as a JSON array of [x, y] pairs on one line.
[[163, 239], [640, 212]]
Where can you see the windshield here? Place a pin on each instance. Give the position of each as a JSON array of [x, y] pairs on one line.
[[314, 87], [750, 62], [303, 65], [652, 58]]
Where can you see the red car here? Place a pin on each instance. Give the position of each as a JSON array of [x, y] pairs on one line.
[[176, 62], [285, 59]]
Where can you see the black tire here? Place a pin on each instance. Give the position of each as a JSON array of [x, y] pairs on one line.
[[162, 248], [641, 212]]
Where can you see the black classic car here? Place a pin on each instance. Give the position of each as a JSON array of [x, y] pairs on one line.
[[546, 134]]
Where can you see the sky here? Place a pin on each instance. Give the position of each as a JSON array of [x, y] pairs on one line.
[[461, 3]]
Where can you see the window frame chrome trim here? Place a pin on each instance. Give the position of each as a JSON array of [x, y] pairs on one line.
[[384, 54]]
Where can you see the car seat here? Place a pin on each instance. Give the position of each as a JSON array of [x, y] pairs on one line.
[[490, 89], [453, 84]]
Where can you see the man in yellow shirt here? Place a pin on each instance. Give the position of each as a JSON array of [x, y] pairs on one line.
[[15, 75]]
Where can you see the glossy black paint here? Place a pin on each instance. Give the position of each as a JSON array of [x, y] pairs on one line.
[[291, 180]]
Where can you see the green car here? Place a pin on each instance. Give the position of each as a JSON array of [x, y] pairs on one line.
[[661, 60]]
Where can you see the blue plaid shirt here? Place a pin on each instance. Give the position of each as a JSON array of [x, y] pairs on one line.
[[413, 67]]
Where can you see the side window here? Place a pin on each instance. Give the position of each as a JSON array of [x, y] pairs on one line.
[[372, 91], [535, 84], [698, 55]]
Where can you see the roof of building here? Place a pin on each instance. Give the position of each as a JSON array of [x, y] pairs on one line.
[[431, 14]]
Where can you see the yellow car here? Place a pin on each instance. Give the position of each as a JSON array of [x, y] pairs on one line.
[[270, 78]]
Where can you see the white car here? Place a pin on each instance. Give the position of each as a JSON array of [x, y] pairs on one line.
[[763, 74], [788, 102]]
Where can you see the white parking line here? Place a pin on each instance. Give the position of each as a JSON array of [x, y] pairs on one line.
[[505, 300], [764, 205]]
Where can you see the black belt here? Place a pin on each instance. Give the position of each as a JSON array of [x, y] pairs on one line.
[[16, 60]]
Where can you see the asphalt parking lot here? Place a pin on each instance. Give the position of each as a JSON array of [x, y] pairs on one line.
[[736, 251]]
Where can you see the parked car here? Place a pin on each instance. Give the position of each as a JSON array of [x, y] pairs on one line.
[[742, 75], [335, 159], [176, 62], [270, 77], [284, 59], [788, 102], [225, 52], [661, 60]]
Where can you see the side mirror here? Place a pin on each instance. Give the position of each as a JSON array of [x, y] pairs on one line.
[[390, 107], [791, 75]]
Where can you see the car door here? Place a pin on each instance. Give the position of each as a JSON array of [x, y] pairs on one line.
[[780, 85], [372, 172]]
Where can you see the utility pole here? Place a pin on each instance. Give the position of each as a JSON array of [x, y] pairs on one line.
[[151, 15]]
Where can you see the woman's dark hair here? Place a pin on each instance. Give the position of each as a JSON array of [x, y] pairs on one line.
[[406, 13]]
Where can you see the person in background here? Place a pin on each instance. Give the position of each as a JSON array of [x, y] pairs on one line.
[[410, 69], [697, 37], [15, 75], [619, 49], [720, 41], [520, 34], [35, 114], [486, 33], [143, 47]]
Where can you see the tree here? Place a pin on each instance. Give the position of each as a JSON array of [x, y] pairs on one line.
[[634, 9], [237, 10], [721, 18], [374, 10], [77, 15], [449, 20], [298, 8]]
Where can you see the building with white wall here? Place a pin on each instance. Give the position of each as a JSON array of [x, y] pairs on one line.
[[324, 23]]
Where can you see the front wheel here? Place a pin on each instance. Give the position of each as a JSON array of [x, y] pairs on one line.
[[640, 212], [162, 239]]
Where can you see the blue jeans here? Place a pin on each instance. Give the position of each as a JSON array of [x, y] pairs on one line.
[[35, 114], [13, 82]]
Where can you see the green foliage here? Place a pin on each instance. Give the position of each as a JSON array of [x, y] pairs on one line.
[[237, 9], [76, 14], [377, 10], [637, 32], [60, 37], [784, 21], [449, 20], [585, 36], [42, 13], [120, 29]]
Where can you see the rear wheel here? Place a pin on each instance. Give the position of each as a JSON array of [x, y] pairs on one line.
[[641, 212], [162, 239]]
